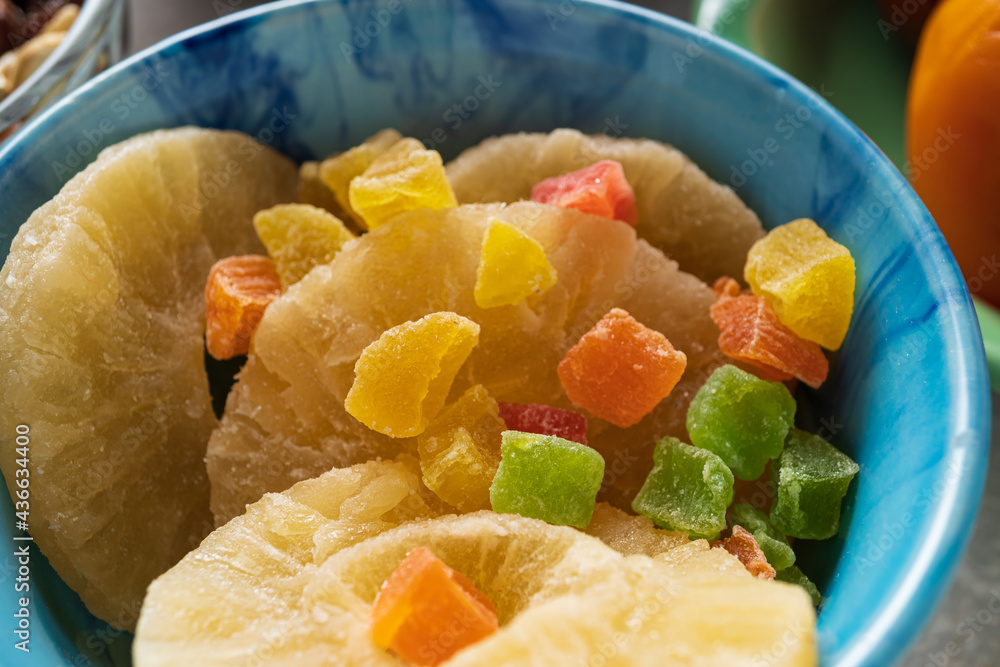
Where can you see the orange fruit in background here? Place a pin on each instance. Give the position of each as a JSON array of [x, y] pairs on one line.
[[953, 134]]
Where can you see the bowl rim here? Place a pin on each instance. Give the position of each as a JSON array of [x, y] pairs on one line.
[[88, 26], [911, 605]]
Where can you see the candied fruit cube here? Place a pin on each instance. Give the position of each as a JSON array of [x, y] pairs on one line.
[[742, 418], [512, 267], [545, 420], [772, 541], [688, 490], [299, 237], [751, 332], [426, 612], [808, 278], [237, 291], [620, 370], [404, 178], [600, 189], [813, 477], [402, 379], [743, 545], [548, 478], [793, 575], [460, 450], [338, 171]]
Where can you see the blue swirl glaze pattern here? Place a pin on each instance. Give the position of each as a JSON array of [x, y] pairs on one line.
[[907, 397]]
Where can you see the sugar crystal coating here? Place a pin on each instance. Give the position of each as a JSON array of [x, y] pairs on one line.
[[600, 189], [742, 418], [545, 420], [620, 370], [513, 266], [743, 545], [426, 612], [236, 293], [299, 237], [338, 171], [813, 477], [460, 450], [401, 380], [688, 490], [808, 278], [751, 332], [548, 478], [404, 178], [772, 541]]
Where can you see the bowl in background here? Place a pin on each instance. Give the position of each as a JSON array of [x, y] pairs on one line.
[[907, 396], [93, 43]]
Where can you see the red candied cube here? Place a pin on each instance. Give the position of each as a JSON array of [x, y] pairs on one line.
[[544, 420], [600, 189], [620, 370], [751, 332]]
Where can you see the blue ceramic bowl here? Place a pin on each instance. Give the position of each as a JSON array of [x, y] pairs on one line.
[[907, 396]]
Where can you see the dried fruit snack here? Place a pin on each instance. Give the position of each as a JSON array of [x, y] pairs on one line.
[[513, 266], [620, 369], [460, 450], [772, 541], [237, 292], [545, 420], [697, 222], [548, 478], [741, 418], [813, 477], [103, 306], [426, 612], [337, 172], [284, 421], [299, 237], [402, 380], [688, 490], [600, 189], [743, 545], [808, 278], [262, 587]]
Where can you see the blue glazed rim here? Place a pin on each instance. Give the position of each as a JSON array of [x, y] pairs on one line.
[[913, 602]]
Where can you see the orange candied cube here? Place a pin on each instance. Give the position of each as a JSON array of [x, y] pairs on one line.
[[742, 545], [600, 189], [236, 293], [620, 370], [426, 611], [751, 332]]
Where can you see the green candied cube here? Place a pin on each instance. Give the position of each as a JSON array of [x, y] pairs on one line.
[[771, 541], [688, 490], [742, 419], [812, 477], [548, 478], [793, 575]]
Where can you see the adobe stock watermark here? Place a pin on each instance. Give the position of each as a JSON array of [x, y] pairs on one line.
[[901, 13], [785, 128], [967, 629], [459, 112], [121, 107], [364, 33], [561, 13]]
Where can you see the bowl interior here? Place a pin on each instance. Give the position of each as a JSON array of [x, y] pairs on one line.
[[907, 396]]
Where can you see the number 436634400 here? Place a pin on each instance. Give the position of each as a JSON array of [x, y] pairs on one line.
[[22, 473]]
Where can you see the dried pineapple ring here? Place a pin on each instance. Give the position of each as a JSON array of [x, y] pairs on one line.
[[258, 591], [699, 223], [285, 421], [101, 354]]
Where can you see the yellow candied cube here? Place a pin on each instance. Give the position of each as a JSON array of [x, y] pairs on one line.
[[404, 178], [460, 450], [808, 278], [299, 237], [338, 171], [402, 379], [512, 267]]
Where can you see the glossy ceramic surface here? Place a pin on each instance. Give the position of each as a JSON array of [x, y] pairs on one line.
[[907, 396]]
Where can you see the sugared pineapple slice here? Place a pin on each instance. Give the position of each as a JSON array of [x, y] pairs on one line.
[[102, 315], [285, 420], [257, 591], [696, 221]]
